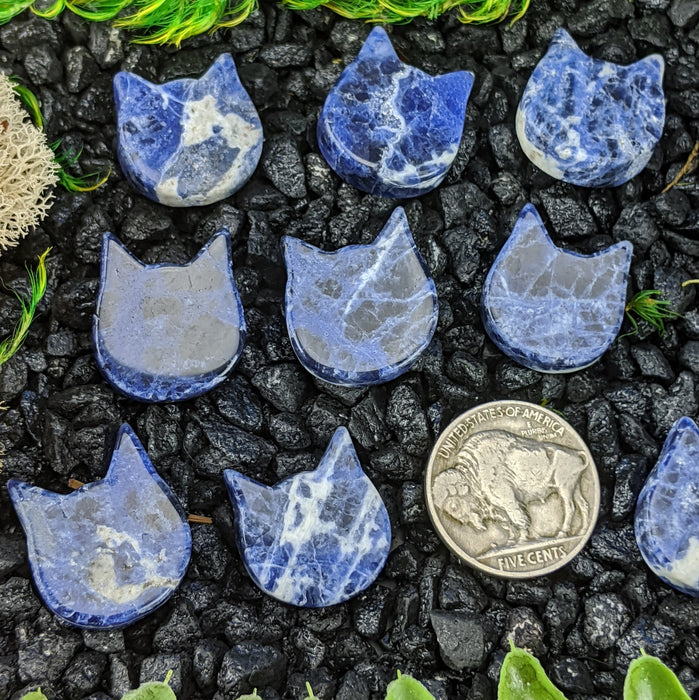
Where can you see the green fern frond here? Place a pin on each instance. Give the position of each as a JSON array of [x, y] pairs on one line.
[[403, 11], [96, 10], [51, 12], [28, 99], [37, 285], [173, 21], [170, 22], [75, 183], [647, 307], [11, 8]]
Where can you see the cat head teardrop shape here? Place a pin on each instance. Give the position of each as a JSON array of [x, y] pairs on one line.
[[591, 122], [317, 538], [364, 313], [549, 309], [187, 142], [388, 128], [667, 513], [112, 551], [167, 332]]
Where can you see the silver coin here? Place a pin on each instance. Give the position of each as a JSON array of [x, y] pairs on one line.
[[512, 489]]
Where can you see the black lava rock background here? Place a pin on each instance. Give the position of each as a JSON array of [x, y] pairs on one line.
[[427, 614]]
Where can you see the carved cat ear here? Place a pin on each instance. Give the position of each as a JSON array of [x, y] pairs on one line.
[[116, 256], [222, 71], [377, 46], [457, 83], [654, 63], [126, 84], [217, 251], [129, 457], [25, 495], [563, 39]]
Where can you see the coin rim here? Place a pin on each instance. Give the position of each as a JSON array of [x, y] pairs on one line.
[[446, 538]]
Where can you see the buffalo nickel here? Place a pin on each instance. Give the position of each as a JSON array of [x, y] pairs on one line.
[[512, 489]]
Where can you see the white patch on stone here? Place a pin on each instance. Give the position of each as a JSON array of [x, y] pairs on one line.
[[199, 119], [535, 155], [102, 575], [684, 572]]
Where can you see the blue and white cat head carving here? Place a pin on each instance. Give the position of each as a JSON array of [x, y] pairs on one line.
[[390, 129], [187, 142], [317, 538], [550, 309], [590, 122], [112, 551], [667, 512], [167, 332], [364, 313]]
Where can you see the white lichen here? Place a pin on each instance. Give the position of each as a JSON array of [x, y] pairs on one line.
[[28, 170]]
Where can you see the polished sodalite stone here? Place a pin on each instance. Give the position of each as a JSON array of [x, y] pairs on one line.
[[667, 513], [112, 551], [549, 309], [167, 332], [317, 538], [390, 129], [364, 313], [590, 122], [188, 142]]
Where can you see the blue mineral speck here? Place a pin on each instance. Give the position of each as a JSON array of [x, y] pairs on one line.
[[391, 129], [590, 122], [364, 313], [317, 538], [112, 551], [187, 142], [167, 332], [667, 513], [550, 309]]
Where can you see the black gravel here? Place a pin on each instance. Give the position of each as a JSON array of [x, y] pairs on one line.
[[426, 615]]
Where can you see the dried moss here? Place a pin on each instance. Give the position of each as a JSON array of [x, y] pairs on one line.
[[28, 170]]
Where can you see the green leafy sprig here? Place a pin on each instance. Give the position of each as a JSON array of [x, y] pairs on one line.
[[37, 285], [647, 305]]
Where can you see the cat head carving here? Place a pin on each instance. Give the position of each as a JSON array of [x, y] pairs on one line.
[[364, 313], [389, 128], [591, 122], [316, 538], [187, 142], [167, 332], [112, 551], [550, 309]]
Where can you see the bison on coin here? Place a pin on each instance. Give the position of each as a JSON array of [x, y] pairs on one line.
[[498, 474]]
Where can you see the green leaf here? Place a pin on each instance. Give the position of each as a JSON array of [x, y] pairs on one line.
[[254, 696], [648, 678], [523, 678], [407, 688], [152, 691], [34, 695]]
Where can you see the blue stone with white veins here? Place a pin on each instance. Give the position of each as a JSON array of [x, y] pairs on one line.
[[590, 122], [391, 129], [187, 142], [549, 309], [317, 538], [667, 512], [112, 551], [362, 314], [167, 332]]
